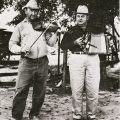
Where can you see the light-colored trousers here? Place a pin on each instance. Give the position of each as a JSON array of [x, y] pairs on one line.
[[84, 72]]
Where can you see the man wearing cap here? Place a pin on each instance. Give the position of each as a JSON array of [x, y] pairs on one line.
[[84, 67], [33, 65]]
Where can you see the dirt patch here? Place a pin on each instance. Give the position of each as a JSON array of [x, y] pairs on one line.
[[58, 106]]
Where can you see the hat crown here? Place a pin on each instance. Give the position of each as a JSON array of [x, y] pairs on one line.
[[32, 4], [82, 9]]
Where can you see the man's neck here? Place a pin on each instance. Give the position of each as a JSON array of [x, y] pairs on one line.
[[83, 26], [27, 19]]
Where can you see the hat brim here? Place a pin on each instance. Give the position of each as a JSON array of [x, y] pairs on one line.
[[83, 13], [37, 8]]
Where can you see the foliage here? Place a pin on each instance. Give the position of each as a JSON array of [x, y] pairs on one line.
[[103, 11], [5, 3], [1, 4], [48, 10]]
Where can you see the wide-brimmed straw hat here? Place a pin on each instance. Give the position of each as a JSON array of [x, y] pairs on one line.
[[83, 9], [32, 4]]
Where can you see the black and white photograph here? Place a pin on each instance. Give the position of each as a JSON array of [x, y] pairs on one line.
[[60, 60]]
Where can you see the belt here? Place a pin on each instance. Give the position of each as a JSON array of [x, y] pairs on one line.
[[32, 59], [79, 52]]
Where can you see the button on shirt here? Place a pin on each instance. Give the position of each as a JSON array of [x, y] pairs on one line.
[[24, 36]]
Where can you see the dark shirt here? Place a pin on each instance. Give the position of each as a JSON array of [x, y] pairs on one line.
[[70, 36]]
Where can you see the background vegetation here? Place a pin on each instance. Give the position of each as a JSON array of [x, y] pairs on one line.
[[104, 10]]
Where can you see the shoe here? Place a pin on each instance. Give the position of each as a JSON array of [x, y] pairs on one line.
[[34, 118], [78, 119], [91, 118], [16, 119]]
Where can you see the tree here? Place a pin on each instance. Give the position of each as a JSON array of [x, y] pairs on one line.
[[47, 9], [110, 9], [5, 3]]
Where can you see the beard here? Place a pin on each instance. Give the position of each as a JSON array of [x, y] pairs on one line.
[[32, 18]]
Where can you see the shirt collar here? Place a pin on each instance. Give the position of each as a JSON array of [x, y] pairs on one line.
[[26, 20]]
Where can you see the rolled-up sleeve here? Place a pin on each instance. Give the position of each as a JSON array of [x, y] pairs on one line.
[[52, 41], [14, 43]]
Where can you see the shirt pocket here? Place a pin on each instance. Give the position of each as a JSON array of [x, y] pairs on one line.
[[25, 34], [25, 37]]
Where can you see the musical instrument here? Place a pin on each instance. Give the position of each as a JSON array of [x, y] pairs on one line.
[[38, 26], [98, 40]]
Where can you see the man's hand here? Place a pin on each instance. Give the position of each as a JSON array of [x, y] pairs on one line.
[[25, 51], [78, 41]]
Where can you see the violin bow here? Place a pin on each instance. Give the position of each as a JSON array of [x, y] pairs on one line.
[[27, 52]]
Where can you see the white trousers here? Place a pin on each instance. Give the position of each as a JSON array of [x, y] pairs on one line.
[[84, 72]]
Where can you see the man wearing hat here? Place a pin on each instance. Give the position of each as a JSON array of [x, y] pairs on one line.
[[33, 65], [84, 67]]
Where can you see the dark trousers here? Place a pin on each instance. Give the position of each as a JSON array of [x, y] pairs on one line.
[[35, 72]]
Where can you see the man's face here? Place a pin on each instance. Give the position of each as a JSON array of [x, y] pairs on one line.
[[81, 19], [31, 14]]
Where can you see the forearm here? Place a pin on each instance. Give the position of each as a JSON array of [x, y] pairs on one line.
[[14, 48], [15, 41]]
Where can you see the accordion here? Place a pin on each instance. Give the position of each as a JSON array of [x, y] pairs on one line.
[[98, 44]]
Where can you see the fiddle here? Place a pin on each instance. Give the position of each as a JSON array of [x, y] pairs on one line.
[[38, 26], [52, 27]]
